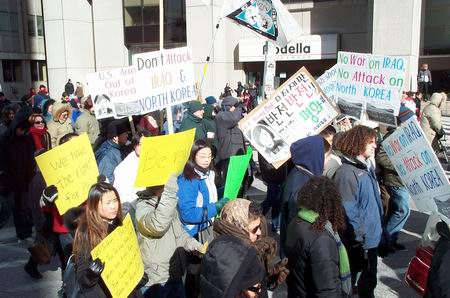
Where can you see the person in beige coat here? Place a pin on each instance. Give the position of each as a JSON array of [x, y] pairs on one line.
[[86, 122], [431, 122], [61, 123]]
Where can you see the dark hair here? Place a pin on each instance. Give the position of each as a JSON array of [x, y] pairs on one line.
[[189, 169], [354, 141], [254, 211], [67, 137], [33, 117], [2, 94], [337, 140], [137, 137], [46, 105], [320, 195], [326, 146], [328, 131], [92, 229], [8, 109]]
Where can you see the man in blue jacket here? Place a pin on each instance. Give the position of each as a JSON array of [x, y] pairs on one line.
[[358, 186]]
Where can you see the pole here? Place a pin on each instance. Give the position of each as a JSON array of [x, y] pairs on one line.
[[161, 47]]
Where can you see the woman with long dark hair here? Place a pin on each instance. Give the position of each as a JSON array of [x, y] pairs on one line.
[[318, 261], [39, 133]]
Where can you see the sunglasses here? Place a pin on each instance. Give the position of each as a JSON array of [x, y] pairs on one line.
[[254, 230], [255, 290], [39, 122]]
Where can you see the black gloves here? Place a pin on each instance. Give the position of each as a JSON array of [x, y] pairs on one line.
[[143, 281], [95, 270], [50, 194]]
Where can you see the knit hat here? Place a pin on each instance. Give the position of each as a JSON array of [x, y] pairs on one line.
[[115, 128], [229, 101], [195, 106], [210, 100]]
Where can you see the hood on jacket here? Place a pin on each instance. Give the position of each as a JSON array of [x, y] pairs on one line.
[[59, 108], [208, 108], [229, 267], [436, 99], [309, 153], [21, 119]]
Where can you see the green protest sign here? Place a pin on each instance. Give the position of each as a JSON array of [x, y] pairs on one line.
[[236, 171]]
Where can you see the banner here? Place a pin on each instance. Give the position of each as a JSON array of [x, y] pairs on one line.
[[419, 168], [155, 81], [162, 156], [122, 257], [297, 109], [268, 18], [269, 71], [370, 83], [327, 83], [235, 174], [72, 168]]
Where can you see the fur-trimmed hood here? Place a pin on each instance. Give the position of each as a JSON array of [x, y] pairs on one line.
[[59, 108]]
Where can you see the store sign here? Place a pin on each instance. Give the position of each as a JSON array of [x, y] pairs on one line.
[[310, 47]]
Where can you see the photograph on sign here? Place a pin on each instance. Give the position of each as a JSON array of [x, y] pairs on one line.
[[103, 107], [384, 116]]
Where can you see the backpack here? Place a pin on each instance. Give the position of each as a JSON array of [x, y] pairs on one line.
[[70, 287]]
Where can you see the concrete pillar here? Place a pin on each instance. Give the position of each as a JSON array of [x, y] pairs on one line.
[[396, 31]]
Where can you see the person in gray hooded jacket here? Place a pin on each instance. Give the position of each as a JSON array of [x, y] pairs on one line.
[[161, 236]]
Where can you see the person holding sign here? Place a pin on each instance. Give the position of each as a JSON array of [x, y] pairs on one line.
[[162, 239], [103, 214], [359, 189]]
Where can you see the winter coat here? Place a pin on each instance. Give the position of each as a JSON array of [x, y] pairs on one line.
[[270, 175], [57, 129], [161, 235], [192, 121], [308, 163], [41, 138], [390, 175], [438, 285], [229, 136], [194, 198], [124, 178], [208, 119], [332, 164], [431, 122], [313, 262], [229, 267], [86, 123], [69, 88], [145, 124], [362, 203], [108, 156]]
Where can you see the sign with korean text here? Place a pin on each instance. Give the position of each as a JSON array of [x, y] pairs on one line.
[[72, 168], [297, 109]]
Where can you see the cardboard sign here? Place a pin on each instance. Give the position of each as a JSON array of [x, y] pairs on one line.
[[162, 156], [370, 83], [235, 174], [419, 168], [155, 81], [122, 257], [327, 83], [297, 109], [72, 168]]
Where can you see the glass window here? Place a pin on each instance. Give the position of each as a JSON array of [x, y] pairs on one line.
[[12, 70], [32, 25], [38, 70], [436, 36], [40, 26]]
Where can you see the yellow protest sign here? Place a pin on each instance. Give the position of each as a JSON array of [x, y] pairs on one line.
[[162, 156], [72, 168], [122, 257]]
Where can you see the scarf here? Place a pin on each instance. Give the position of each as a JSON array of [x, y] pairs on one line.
[[344, 265], [40, 138]]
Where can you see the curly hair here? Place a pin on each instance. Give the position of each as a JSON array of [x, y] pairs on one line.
[[354, 141], [320, 195]]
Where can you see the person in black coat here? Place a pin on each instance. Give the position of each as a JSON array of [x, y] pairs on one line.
[[318, 263], [438, 285]]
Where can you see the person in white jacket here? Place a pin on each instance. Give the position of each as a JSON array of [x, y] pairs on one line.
[[125, 175]]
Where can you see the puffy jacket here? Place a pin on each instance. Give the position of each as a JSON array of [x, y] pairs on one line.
[[108, 157], [195, 197], [390, 175], [192, 121], [57, 129], [229, 136], [362, 203], [86, 123], [313, 262], [161, 234], [431, 122]]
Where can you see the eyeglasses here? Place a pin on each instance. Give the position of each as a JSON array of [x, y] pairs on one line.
[[255, 290], [65, 114], [254, 230], [39, 122]]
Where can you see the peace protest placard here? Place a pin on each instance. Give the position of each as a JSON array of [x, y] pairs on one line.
[[72, 168], [122, 257], [297, 109], [235, 174], [327, 83], [419, 168], [162, 156], [371, 83], [155, 81]]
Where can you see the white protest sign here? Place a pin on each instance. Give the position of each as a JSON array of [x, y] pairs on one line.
[[297, 109], [373, 83], [419, 168], [166, 78], [327, 83]]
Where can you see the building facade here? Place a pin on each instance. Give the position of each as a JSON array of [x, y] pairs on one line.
[[84, 36]]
